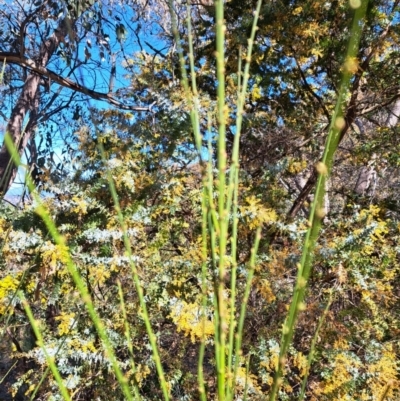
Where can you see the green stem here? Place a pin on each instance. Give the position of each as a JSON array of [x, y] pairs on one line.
[[200, 379], [223, 213], [316, 213], [313, 344], [50, 359], [83, 291], [128, 341], [136, 280], [249, 280]]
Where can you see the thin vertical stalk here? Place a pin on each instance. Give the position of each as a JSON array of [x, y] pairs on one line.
[[213, 250], [9, 165], [8, 371], [317, 213], [50, 359], [210, 186], [213, 227], [223, 214], [128, 340], [46, 372], [135, 276], [312, 347], [191, 94], [205, 205], [249, 280], [235, 222], [195, 94], [219, 222], [233, 192], [83, 291], [232, 307], [242, 90], [200, 378]]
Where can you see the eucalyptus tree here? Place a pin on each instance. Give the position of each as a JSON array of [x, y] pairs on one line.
[[56, 56]]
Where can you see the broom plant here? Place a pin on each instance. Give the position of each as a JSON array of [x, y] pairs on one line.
[[220, 226]]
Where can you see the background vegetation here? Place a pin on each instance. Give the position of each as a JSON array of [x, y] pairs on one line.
[[130, 146]]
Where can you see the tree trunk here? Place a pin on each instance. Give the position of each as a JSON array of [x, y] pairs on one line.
[[27, 102], [394, 115]]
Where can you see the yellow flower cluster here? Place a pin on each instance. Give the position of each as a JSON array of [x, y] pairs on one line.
[[296, 166], [188, 319], [3, 226], [66, 321], [341, 376], [81, 345], [383, 376], [99, 274], [141, 372], [244, 378], [264, 288], [8, 285], [80, 205], [300, 362], [53, 256], [256, 214]]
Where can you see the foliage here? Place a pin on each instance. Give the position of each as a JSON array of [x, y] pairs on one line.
[[160, 178]]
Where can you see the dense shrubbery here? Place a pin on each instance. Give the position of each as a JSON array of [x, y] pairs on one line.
[[346, 345], [357, 347]]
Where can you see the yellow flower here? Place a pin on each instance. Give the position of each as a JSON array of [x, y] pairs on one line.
[[300, 362], [264, 287], [66, 321], [80, 205], [188, 319], [8, 285]]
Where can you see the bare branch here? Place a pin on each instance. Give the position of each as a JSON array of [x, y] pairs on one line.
[[15, 58], [309, 89]]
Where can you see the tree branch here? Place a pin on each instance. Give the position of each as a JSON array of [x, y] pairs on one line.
[[16, 58], [380, 105], [309, 89]]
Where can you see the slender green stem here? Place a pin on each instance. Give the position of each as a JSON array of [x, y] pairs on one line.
[[191, 94], [233, 192], [213, 250], [313, 344], [204, 250], [8, 371], [195, 95], [249, 280], [242, 90], [9, 167], [128, 340], [210, 185], [136, 279], [317, 211], [50, 359], [85, 296], [218, 215], [46, 372], [235, 222], [232, 319], [223, 213]]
